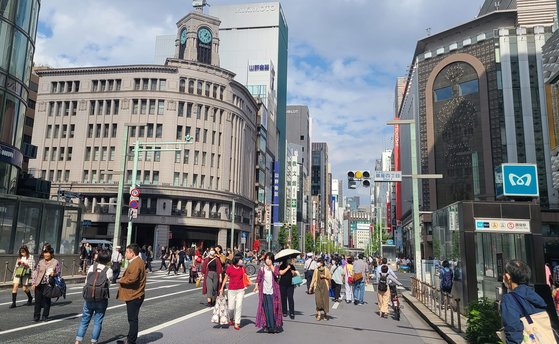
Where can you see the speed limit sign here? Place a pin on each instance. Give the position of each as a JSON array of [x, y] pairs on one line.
[[135, 192]]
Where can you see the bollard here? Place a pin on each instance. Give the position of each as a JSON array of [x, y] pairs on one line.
[[459, 316], [73, 266], [5, 271], [446, 308], [61, 266], [451, 315]]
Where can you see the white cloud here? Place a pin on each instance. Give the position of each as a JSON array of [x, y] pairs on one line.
[[344, 55]]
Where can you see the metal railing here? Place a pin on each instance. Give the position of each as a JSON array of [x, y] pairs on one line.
[[444, 305], [67, 268]]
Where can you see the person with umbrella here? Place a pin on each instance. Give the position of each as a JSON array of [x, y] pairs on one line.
[[287, 271]]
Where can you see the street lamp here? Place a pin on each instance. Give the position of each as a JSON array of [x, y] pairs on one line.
[[415, 190], [124, 158]]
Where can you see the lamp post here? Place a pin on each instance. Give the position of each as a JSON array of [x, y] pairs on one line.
[[137, 150], [415, 191], [232, 224]]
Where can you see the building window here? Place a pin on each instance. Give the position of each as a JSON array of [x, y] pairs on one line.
[[190, 86], [61, 154], [95, 153], [199, 87], [157, 156], [46, 153], [186, 156], [85, 176], [185, 179], [205, 136], [87, 155], [180, 109], [155, 179], [116, 105], [149, 130], [203, 158], [113, 133], [69, 154], [151, 107], [197, 135], [106, 130], [135, 106], [143, 106], [176, 178], [182, 86], [179, 132], [49, 131], [160, 107], [112, 152], [98, 130], [104, 151], [177, 157], [468, 87], [66, 176], [162, 84], [196, 154], [189, 110], [56, 130], [137, 83], [442, 94]]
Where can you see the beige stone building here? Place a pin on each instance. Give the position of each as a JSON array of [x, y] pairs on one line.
[[84, 115]]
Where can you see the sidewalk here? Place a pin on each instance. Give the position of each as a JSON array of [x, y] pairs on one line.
[[347, 322]]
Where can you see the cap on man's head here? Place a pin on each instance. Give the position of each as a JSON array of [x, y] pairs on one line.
[[117, 247], [309, 254]]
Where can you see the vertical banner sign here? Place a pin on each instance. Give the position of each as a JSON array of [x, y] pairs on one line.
[[500, 267], [397, 167], [275, 195], [388, 217]]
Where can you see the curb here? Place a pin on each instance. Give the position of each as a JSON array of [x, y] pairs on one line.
[[67, 279], [433, 320]]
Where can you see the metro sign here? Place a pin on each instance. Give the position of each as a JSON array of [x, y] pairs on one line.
[[517, 180]]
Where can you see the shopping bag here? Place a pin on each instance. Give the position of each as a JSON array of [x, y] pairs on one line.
[[537, 326], [296, 280], [246, 281], [331, 292], [198, 282], [219, 315]]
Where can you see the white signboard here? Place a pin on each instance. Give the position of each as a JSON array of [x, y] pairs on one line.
[[388, 176], [502, 225], [267, 216]]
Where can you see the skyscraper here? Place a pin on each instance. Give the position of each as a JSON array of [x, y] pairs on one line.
[[253, 44]]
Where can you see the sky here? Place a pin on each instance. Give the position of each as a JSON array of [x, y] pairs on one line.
[[344, 55]]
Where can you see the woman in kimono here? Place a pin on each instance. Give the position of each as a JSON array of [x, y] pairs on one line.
[[268, 314]]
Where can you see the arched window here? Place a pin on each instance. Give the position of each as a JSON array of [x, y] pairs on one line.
[[457, 127], [191, 86], [182, 85]]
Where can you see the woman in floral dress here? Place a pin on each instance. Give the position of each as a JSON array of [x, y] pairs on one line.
[[268, 314]]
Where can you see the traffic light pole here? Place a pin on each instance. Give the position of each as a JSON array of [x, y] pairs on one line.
[[124, 158]]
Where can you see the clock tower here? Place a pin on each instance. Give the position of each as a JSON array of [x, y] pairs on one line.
[[197, 37]]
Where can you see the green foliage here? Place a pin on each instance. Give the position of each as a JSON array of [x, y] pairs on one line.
[[309, 243], [282, 237], [483, 322], [295, 237]]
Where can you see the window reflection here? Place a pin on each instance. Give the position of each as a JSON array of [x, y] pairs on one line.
[[443, 94], [468, 87]]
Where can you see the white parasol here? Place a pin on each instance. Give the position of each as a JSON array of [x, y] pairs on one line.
[[286, 254]]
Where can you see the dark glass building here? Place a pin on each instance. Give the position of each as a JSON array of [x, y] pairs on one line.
[[18, 29]]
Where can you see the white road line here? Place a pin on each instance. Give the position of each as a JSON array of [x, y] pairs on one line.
[[110, 288], [78, 315], [335, 306], [178, 320]]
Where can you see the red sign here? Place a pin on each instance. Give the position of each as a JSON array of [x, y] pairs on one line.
[[135, 192], [133, 204]]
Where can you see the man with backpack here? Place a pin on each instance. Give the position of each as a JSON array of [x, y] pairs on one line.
[[446, 276], [96, 296]]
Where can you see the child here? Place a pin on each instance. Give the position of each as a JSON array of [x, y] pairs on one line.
[[193, 273]]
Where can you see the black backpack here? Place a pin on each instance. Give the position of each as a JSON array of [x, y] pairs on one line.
[[96, 285], [382, 282]]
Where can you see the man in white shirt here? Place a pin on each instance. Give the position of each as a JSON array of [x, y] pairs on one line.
[[116, 259], [310, 266]]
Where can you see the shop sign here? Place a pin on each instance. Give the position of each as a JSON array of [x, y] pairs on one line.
[[502, 226]]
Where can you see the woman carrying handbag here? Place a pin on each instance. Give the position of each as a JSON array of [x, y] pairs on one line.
[[46, 268], [22, 275]]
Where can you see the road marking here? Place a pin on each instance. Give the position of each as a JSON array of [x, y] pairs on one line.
[[178, 320], [335, 306], [78, 315]]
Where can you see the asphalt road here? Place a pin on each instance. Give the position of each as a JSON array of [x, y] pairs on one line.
[[167, 298]]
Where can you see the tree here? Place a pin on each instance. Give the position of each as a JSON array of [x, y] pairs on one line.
[[295, 237], [282, 237], [309, 242]]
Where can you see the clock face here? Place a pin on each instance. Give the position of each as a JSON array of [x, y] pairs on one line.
[[183, 37], [205, 35]]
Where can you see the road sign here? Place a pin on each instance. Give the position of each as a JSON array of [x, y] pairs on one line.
[[243, 235], [278, 224], [520, 180], [86, 223], [135, 192], [388, 176], [389, 242], [133, 213], [133, 204]]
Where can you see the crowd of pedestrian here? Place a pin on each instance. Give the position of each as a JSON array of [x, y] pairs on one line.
[[222, 276]]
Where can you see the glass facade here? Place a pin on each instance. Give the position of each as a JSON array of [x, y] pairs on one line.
[[18, 28], [31, 222]]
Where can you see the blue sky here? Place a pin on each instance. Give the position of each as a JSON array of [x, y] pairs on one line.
[[344, 55]]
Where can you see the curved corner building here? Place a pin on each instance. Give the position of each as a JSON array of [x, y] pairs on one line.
[[187, 191], [18, 28]]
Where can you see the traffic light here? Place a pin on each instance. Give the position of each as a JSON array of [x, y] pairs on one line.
[[358, 176]]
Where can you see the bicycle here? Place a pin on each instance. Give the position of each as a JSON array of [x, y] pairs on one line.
[[395, 301]]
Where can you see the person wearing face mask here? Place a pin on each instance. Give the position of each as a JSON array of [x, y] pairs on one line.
[[211, 269], [46, 268], [236, 290], [321, 285], [287, 271], [268, 314], [519, 298]]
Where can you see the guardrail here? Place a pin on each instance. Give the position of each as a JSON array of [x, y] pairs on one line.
[[69, 267], [444, 305]]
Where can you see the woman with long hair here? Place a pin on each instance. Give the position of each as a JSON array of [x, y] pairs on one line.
[[269, 313], [22, 275]]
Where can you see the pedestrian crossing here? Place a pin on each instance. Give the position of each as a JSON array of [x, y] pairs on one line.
[[162, 275]]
